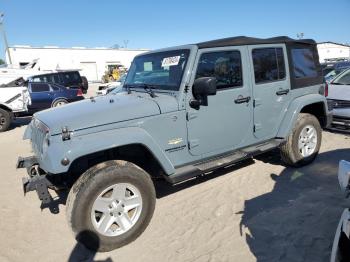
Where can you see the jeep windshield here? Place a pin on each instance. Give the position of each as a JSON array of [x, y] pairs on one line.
[[162, 70]]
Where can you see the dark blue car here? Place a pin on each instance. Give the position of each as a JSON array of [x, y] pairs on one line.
[[47, 95]]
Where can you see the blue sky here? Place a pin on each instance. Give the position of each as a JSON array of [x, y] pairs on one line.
[[155, 24]]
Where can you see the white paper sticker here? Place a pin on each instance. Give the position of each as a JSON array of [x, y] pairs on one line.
[[170, 61]]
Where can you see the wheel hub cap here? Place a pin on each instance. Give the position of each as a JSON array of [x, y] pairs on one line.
[[307, 141], [116, 209]]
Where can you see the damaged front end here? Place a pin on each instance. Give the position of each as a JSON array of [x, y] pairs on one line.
[[37, 181]]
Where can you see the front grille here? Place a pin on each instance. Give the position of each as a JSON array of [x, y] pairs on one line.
[[334, 103], [39, 131]]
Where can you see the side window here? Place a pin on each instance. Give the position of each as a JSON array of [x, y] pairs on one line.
[[269, 65], [303, 63], [36, 79], [40, 87], [70, 78], [55, 87], [343, 79], [225, 66]]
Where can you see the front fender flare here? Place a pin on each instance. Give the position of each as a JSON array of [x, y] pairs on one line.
[[87, 144]]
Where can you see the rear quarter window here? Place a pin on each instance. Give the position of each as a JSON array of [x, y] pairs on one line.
[[303, 63], [70, 78]]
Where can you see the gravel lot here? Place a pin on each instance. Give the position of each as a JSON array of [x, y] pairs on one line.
[[261, 212]]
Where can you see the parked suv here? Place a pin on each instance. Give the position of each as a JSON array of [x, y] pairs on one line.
[[185, 111], [47, 95], [69, 79]]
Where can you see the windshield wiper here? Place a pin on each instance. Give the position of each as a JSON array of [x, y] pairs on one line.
[[149, 89], [128, 87]]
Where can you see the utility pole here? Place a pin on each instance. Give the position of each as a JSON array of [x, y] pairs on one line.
[[4, 36], [300, 35], [126, 42]]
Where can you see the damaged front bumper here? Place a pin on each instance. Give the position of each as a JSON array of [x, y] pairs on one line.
[[36, 181]]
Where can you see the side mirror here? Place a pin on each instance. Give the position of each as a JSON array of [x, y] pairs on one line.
[[202, 88]]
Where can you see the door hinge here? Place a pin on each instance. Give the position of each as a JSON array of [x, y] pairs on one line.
[[191, 115], [193, 143], [256, 127]]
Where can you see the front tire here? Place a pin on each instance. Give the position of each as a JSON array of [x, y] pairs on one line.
[[5, 120], [304, 142], [110, 205]]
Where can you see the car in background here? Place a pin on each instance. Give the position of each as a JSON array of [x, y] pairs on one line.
[[338, 99], [109, 87], [331, 70], [46, 95], [14, 100], [69, 79]]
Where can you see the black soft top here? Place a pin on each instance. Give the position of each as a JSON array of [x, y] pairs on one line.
[[245, 40]]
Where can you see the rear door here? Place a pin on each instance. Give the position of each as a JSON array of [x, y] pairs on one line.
[[226, 123], [271, 88]]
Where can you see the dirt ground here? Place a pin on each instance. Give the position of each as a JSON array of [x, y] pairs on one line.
[[260, 212]]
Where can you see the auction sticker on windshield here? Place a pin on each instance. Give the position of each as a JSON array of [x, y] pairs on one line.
[[170, 61]]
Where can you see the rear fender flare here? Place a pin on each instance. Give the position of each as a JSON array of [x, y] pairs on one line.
[[294, 110]]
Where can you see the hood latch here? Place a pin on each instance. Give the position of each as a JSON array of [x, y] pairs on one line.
[[65, 133]]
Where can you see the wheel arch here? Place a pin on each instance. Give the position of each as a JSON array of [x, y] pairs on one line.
[[59, 98], [314, 104], [138, 154]]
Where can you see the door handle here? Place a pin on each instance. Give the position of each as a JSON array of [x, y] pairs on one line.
[[241, 99], [282, 92]]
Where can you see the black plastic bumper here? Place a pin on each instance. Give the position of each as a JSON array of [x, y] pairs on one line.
[[329, 119], [36, 181]]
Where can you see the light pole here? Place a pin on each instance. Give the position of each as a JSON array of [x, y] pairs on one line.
[[4, 36]]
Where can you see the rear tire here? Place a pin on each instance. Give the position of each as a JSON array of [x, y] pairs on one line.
[[59, 102], [5, 120], [112, 224], [304, 142]]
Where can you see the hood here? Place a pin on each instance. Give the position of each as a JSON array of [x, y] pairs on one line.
[[339, 92], [104, 110]]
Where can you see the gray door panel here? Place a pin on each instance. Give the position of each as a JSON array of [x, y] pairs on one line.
[[271, 95], [224, 124]]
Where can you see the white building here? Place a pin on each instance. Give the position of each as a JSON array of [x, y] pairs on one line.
[[330, 50], [93, 62]]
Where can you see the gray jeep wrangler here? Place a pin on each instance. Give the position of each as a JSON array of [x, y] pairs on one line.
[[184, 111]]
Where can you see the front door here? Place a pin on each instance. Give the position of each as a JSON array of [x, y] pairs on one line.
[[271, 88], [226, 122]]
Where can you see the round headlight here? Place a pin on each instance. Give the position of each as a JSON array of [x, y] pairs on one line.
[[344, 175]]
